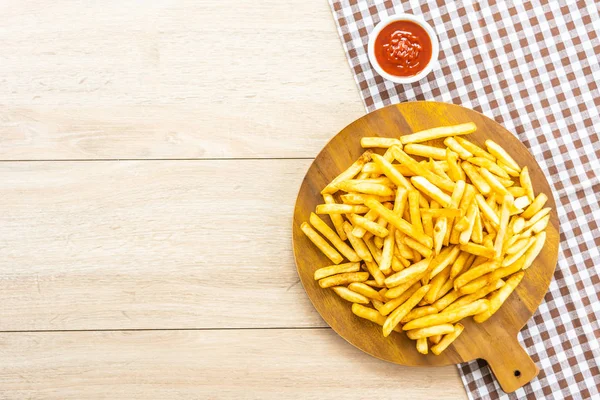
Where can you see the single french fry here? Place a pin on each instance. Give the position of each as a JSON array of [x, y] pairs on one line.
[[436, 284], [477, 180], [336, 269], [369, 314], [439, 233], [435, 339], [340, 209], [357, 243], [445, 301], [533, 251], [477, 234], [396, 316], [517, 246], [441, 212], [379, 142], [481, 293], [456, 147], [535, 206], [455, 201], [477, 249], [330, 235], [442, 260], [367, 225], [394, 303], [399, 223], [343, 279], [350, 173], [423, 172], [517, 191], [408, 274], [336, 219], [422, 346], [427, 220], [436, 133], [522, 202], [426, 332], [373, 283], [462, 224], [415, 212], [359, 198], [509, 170], [487, 211], [373, 168], [455, 171], [502, 228], [378, 189], [473, 148], [425, 151], [497, 151], [537, 227], [387, 253], [365, 290], [474, 273], [493, 182], [405, 263], [349, 295], [447, 340], [459, 264], [418, 247], [476, 284], [431, 190], [418, 313], [465, 236], [498, 298], [525, 181], [445, 317], [318, 241]]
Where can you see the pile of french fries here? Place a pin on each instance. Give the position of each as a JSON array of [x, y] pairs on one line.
[[428, 241]]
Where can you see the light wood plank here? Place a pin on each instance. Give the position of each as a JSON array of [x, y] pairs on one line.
[[185, 79], [150, 244], [248, 364]]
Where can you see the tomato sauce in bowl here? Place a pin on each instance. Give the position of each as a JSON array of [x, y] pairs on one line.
[[402, 48]]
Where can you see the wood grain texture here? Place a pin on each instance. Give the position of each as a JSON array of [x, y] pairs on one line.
[[248, 364], [185, 79], [494, 340], [150, 244]]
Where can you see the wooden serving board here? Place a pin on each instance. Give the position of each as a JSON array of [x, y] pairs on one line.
[[494, 340]]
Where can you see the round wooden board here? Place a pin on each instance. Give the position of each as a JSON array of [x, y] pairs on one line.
[[496, 339]]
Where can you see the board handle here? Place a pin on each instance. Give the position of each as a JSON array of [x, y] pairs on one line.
[[509, 362]]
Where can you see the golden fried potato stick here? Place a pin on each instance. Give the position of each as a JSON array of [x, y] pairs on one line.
[[487, 211], [418, 313], [421, 171], [456, 147], [516, 191], [440, 212], [330, 235], [336, 269], [373, 283], [365, 290], [349, 295], [370, 314], [525, 181], [447, 340], [465, 236], [350, 173], [408, 274], [459, 264], [399, 223], [379, 142], [373, 168], [522, 202], [394, 318], [359, 231], [477, 180], [374, 188], [426, 332], [455, 171], [536, 206], [477, 234], [357, 243], [343, 279], [445, 317], [368, 225], [435, 153], [340, 209], [427, 223], [394, 303], [392, 173], [445, 301], [336, 219], [493, 182], [465, 201], [431, 190], [439, 233], [358, 198], [375, 272], [436, 284], [517, 245], [489, 165], [318, 241], [499, 297], [418, 247], [497, 151], [414, 210], [510, 171], [400, 291], [473, 148], [442, 260], [440, 132], [502, 227], [476, 284], [475, 272], [422, 346], [481, 293], [478, 250], [387, 254], [512, 258]]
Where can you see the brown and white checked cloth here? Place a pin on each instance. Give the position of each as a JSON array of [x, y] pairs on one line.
[[533, 67]]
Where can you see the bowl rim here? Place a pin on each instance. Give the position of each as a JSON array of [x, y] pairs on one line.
[[435, 47]]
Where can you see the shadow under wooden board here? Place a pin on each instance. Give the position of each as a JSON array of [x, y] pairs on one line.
[[494, 340]]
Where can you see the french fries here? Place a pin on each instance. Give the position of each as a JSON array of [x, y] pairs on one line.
[[428, 242]]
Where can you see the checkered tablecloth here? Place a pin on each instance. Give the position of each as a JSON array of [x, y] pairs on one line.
[[533, 67]]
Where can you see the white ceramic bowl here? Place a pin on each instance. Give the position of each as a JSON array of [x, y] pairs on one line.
[[435, 47]]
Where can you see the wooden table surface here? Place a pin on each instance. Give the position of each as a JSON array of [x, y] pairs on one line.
[[151, 153]]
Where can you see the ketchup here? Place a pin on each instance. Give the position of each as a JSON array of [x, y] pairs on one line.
[[403, 48]]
